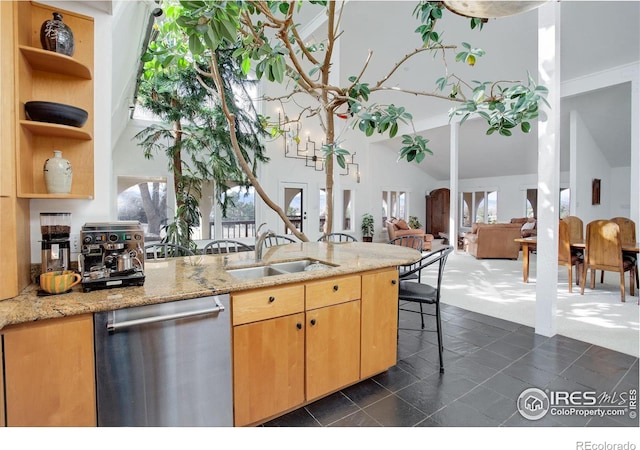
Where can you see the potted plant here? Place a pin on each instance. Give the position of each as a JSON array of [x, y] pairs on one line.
[[414, 223], [367, 227]]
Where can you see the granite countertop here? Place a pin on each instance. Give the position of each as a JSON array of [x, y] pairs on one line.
[[198, 276]]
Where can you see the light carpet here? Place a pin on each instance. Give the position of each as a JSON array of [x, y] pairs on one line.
[[495, 287]]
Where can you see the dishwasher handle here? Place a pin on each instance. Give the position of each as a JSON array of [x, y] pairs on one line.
[[113, 326]]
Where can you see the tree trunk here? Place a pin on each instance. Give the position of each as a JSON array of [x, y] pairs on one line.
[[154, 207], [231, 120]]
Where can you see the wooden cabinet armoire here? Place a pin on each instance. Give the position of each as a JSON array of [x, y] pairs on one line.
[[437, 214]]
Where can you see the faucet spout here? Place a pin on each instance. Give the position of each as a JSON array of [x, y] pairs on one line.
[[260, 242]]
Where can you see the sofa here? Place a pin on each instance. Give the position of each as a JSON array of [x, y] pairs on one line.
[[399, 227], [493, 240], [527, 226]]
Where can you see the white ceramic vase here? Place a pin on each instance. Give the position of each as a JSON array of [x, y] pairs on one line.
[[57, 174]]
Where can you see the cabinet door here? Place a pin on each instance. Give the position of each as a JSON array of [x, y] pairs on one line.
[[379, 321], [333, 348], [49, 373], [268, 368]]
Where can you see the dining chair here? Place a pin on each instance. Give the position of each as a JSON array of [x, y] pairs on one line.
[[603, 251], [410, 291], [161, 250], [576, 228], [277, 239], [627, 235], [221, 246], [565, 256], [337, 237], [412, 241]]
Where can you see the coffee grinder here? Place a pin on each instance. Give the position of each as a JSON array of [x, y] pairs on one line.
[[56, 248]]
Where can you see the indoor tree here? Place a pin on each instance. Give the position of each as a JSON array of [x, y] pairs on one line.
[[265, 39], [193, 132]]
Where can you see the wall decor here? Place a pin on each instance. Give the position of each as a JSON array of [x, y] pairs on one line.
[[595, 191]]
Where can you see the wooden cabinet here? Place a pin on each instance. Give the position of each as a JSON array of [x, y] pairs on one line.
[[268, 367], [332, 334], [437, 214], [48, 76], [293, 344], [268, 352], [379, 321], [49, 373], [14, 212]]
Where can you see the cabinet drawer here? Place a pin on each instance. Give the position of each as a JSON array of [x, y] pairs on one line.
[[262, 304], [333, 291]]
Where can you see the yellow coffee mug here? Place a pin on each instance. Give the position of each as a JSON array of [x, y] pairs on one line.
[[58, 282]]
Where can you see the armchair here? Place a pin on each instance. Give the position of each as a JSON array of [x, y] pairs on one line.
[[398, 227]]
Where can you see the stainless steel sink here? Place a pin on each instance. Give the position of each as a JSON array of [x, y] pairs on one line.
[[249, 273], [292, 266], [282, 268]]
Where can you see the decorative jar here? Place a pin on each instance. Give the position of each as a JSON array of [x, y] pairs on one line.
[[56, 36], [57, 174]]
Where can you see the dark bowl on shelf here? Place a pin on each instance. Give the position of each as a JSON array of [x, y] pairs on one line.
[[56, 113]]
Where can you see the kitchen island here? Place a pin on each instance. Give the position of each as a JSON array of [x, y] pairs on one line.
[[295, 337], [199, 276]]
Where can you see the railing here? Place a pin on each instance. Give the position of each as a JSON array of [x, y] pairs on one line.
[[234, 229]]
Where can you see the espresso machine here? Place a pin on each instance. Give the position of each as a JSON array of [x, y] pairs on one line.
[[56, 248], [112, 255]]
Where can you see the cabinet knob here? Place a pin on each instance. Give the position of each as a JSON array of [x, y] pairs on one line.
[[299, 326], [313, 321], [393, 282], [272, 299], [335, 287]]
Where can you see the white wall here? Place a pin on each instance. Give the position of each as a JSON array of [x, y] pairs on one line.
[[590, 164]]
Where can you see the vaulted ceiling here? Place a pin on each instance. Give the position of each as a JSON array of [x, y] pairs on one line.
[[595, 36]]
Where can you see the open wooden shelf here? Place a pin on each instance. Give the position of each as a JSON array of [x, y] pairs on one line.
[[53, 62], [51, 196], [56, 130], [44, 75]]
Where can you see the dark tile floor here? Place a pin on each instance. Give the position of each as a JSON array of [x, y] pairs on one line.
[[488, 363]]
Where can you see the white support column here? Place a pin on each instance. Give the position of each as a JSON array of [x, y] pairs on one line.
[[206, 206], [454, 131], [548, 171], [634, 210]]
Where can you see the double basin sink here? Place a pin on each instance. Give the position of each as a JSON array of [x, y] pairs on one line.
[[281, 268]]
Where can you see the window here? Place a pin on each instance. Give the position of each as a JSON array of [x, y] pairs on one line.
[[479, 206], [531, 202], [144, 201], [239, 221], [347, 209], [565, 198], [322, 209], [394, 204]]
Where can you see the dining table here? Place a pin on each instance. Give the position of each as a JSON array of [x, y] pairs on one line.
[[529, 244]]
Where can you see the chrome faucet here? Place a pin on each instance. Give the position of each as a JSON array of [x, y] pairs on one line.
[[260, 237]]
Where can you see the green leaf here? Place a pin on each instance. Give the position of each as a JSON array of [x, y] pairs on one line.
[[195, 45], [394, 130], [525, 127], [246, 65]]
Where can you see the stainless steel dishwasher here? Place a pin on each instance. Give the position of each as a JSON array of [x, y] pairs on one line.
[[167, 364]]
